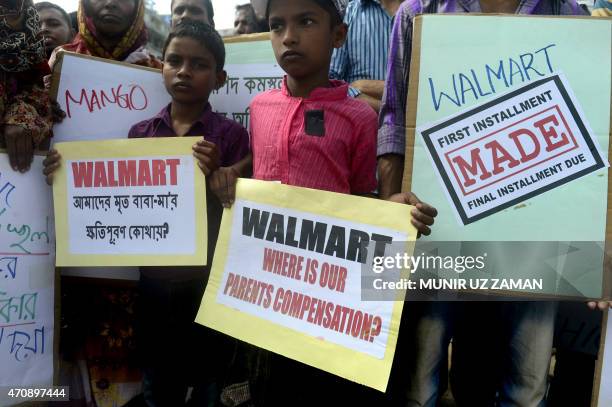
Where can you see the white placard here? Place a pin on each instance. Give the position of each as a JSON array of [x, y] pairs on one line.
[[26, 278]]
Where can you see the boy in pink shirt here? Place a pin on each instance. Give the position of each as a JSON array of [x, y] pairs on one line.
[[311, 134]]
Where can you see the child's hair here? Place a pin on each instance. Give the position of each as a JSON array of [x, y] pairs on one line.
[[43, 5], [326, 5], [202, 33], [207, 5]]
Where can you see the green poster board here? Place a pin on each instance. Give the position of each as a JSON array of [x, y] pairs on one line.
[[462, 61]]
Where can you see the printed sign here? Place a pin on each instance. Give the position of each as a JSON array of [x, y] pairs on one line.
[[287, 277], [26, 278], [514, 147], [130, 202]]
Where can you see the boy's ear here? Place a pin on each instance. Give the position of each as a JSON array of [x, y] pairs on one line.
[[221, 79], [339, 35]]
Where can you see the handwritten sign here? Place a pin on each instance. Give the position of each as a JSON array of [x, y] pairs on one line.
[[103, 99], [515, 147], [26, 278], [130, 202], [461, 63], [287, 277]]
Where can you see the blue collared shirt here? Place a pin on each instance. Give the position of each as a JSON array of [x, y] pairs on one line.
[[365, 53]]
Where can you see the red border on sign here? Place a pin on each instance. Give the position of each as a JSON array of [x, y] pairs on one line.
[[574, 147]]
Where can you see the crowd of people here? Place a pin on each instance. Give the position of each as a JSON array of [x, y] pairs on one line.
[[350, 60]]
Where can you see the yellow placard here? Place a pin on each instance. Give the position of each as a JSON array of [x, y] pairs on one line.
[[153, 184], [238, 301]]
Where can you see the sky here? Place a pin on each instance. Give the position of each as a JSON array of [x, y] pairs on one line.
[[224, 9]]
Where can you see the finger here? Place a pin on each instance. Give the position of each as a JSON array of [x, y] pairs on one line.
[[411, 199], [232, 188], [51, 159], [427, 209], [592, 305], [205, 160], [21, 152], [225, 197], [50, 169], [206, 143], [603, 305], [29, 152], [204, 150], [204, 168], [11, 148], [424, 229], [421, 217]]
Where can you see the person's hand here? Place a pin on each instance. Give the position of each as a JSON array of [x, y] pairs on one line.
[[51, 164], [423, 215], [57, 114], [20, 147], [223, 184], [207, 155], [602, 305]]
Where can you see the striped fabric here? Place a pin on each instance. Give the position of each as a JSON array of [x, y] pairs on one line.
[[364, 55], [342, 160], [602, 8]]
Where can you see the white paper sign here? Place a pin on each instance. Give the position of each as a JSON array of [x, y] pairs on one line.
[[26, 278], [103, 99], [289, 297], [137, 204], [508, 150]]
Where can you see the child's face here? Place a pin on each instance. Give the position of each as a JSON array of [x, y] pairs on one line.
[[190, 71], [302, 36]]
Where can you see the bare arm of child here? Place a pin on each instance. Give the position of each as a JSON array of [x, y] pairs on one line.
[[51, 164], [223, 181]]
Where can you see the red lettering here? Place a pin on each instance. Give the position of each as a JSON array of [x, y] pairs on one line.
[[500, 155], [98, 99], [100, 175], [551, 133], [472, 168], [159, 172], [144, 173], [173, 163], [228, 283], [82, 174], [127, 173], [515, 136], [268, 259], [145, 101], [112, 181]]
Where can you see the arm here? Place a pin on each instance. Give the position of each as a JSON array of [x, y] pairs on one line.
[[372, 102], [392, 119], [374, 89]]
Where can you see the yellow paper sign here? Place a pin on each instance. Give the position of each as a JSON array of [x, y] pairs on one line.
[[287, 277], [130, 203]]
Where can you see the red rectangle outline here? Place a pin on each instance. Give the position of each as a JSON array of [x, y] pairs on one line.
[[522, 170]]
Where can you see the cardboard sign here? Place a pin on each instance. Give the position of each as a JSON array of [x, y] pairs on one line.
[[27, 278], [466, 70], [287, 277], [103, 99], [130, 203], [512, 148]]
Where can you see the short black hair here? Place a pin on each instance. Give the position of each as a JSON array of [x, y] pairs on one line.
[[207, 5], [202, 33], [43, 5], [326, 5]]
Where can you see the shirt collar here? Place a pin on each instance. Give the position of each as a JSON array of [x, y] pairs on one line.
[[165, 116], [337, 90]]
